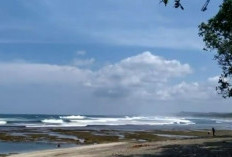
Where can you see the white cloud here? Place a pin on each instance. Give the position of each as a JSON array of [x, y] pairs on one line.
[[28, 73], [83, 62], [136, 70], [141, 80], [187, 91], [142, 69], [213, 79]]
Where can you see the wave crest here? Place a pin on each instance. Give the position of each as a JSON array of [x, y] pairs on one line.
[[53, 121], [73, 117], [2, 122]]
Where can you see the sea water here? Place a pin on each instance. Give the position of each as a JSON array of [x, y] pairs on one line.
[[16, 123], [20, 147], [224, 121]]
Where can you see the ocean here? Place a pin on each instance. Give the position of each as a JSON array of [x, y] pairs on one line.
[[33, 132], [183, 119]]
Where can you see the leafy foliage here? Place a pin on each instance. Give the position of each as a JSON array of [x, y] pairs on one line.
[[217, 35], [164, 1], [177, 3]]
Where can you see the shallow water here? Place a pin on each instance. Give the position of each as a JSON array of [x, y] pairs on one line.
[[175, 136], [16, 147]]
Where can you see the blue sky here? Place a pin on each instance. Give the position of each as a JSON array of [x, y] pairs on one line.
[[89, 57]]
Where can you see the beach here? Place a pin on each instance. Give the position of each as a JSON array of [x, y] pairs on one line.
[[186, 147], [115, 78], [40, 135], [118, 143]]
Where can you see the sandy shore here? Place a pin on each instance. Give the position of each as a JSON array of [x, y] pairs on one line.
[[196, 147], [82, 151]]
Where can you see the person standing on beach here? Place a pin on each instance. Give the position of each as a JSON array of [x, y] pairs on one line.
[[213, 131]]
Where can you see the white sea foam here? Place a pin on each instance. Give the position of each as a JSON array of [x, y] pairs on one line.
[[132, 121], [73, 117], [53, 125], [174, 120], [53, 121], [134, 118], [81, 121], [219, 121], [2, 122]]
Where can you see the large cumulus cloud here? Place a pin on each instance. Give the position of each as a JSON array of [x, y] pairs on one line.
[[137, 83]]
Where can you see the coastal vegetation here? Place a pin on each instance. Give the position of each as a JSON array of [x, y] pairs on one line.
[[217, 36]]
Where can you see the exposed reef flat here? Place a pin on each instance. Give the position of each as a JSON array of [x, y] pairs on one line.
[[168, 140]]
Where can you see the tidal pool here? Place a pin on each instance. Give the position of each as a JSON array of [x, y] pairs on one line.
[[20, 147]]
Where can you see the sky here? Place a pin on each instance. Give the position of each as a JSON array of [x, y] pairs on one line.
[[121, 57]]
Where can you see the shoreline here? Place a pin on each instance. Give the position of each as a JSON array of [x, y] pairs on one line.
[[202, 146], [96, 138], [71, 151]]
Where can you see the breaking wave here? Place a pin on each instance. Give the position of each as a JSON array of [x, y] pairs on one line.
[[132, 121], [53, 121], [82, 121], [2, 122], [72, 117]]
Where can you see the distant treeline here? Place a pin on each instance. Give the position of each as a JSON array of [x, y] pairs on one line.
[[209, 114]]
